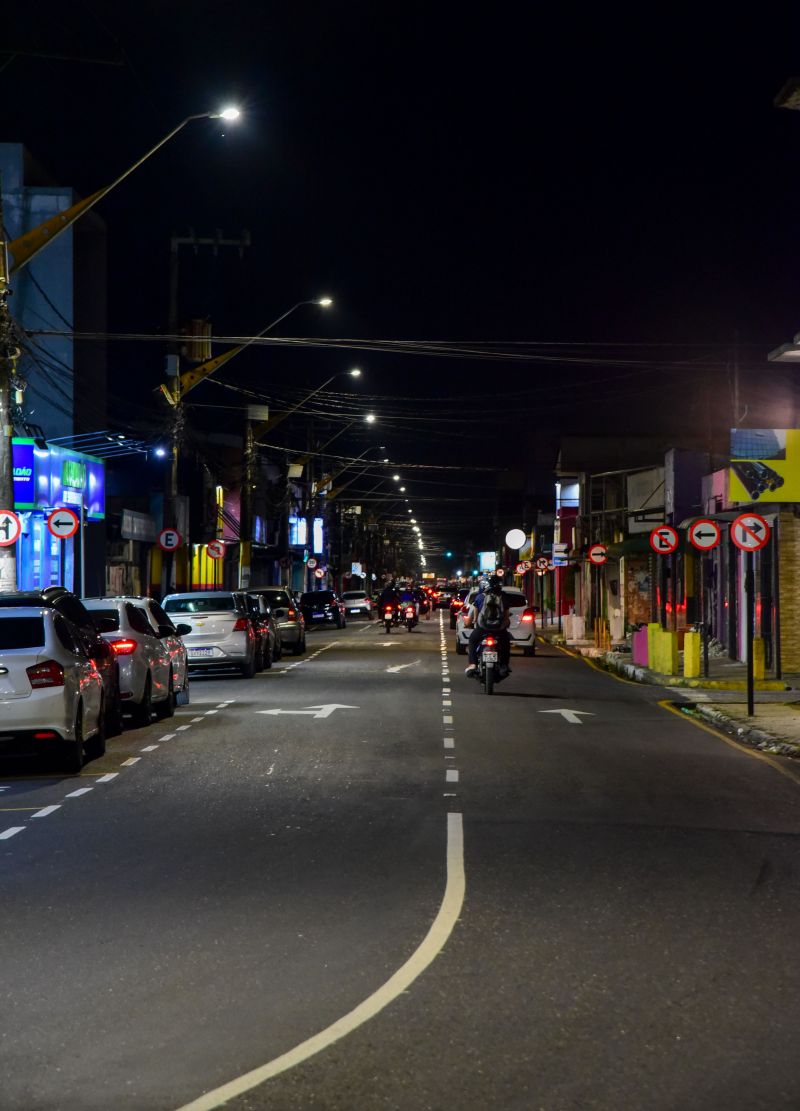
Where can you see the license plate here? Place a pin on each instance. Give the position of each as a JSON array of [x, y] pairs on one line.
[[318, 615], [490, 657], [196, 653], [354, 609]]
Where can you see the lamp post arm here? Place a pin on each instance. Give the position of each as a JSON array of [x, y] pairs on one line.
[[27, 246]]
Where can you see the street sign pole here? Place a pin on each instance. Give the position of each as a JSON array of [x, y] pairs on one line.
[[705, 566], [749, 590], [83, 551]]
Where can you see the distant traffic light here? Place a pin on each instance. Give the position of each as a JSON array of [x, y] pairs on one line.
[[449, 555]]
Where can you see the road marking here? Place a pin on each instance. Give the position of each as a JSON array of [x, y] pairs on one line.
[[131, 760], [570, 715], [205, 715], [449, 742], [166, 737], [109, 777], [4, 836], [323, 711], [451, 775], [448, 720], [430, 947], [222, 705], [46, 810], [400, 667], [148, 748], [81, 791], [445, 701], [194, 720], [181, 728]]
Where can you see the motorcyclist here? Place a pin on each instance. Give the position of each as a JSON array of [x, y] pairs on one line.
[[390, 596], [472, 621]]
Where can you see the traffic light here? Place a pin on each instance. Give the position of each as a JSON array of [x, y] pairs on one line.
[[449, 555]]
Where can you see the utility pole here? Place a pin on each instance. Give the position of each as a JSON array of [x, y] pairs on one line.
[[9, 353]]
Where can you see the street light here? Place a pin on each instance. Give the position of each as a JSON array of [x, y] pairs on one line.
[[27, 246]]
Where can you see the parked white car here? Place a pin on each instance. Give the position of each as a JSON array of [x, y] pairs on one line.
[[222, 632], [357, 603], [51, 693], [150, 666], [522, 626]]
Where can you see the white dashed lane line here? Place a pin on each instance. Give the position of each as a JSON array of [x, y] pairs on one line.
[[80, 791], [4, 836], [46, 810]]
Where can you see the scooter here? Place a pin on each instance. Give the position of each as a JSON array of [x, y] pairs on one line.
[[389, 617], [489, 672]]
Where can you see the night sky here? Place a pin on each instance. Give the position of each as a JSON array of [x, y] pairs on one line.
[[619, 186]]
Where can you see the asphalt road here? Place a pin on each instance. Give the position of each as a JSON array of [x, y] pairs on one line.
[[269, 907]]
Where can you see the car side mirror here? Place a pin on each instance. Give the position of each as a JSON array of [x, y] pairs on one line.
[[166, 631], [106, 624], [182, 630]]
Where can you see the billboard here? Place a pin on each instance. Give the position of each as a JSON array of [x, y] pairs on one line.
[[765, 465], [487, 561], [48, 477]]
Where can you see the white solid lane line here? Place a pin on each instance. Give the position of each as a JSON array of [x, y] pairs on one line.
[[45, 811], [396, 985], [4, 836]]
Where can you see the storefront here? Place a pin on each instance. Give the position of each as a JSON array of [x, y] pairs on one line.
[[50, 478]]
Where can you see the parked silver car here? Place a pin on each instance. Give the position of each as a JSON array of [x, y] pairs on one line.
[[222, 632], [151, 665], [51, 693]]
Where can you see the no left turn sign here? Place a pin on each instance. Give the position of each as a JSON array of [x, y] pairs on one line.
[[215, 549], [10, 528], [169, 539], [319, 573], [750, 532], [704, 534], [63, 523], [664, 539], [598, 554]]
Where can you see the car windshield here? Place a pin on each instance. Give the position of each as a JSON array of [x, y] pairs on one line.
[[274, 598], [514, 600], [214, 604], [21, 632], [353, 595], [317, 598], [111, 614]]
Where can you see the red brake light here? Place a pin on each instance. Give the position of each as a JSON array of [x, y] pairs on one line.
[[489, 642], [388, 609], [124, 647], [241, 625], [292, 614], [45, 735], [47, 674], [527, 615]]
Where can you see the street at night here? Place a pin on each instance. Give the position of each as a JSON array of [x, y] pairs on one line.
[[213, 893]]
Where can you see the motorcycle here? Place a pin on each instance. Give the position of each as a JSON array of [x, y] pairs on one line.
[[390, 617], [410, 616], [489, 672]]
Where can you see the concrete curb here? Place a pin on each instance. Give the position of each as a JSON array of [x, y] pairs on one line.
[[749, 735]]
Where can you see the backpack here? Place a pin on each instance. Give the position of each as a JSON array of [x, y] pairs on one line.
[[490, 615]]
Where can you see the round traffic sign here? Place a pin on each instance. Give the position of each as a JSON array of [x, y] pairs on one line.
[[515, 538], [542, 562], [598, 554], [750, 532], [312, 563], [10, 528], [319, 573], [664, 539], [63, 523], [169, 539], [521, 568], [704, 534], [215, 549]]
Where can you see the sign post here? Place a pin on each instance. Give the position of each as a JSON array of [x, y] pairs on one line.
[[704, 536], [750, 533]]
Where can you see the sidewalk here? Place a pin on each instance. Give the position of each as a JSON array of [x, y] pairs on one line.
[[721, 699]]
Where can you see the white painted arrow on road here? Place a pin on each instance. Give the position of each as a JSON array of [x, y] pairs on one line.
[[314, 711], [399, 667], [570, 715]]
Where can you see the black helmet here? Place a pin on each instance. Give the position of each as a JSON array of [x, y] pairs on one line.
[[495, 582]]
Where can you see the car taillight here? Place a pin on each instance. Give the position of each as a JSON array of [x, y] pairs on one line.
[[489, 642], [241, 625], [456, 604], [47, 674], [527, 616], [292, 615], [124, 647]]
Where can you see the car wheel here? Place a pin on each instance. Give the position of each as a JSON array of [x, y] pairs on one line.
[[529, 650], [268, 657], [143, 712], [461, 649], [249, 669], [114, 722], [73, 755], [452, 623], [166, 708], [258, 663], [278, 651], [97, 745], [300, 647]]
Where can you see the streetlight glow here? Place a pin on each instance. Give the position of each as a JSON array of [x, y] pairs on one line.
[[396, 477], [230, 113], [355, 372], [326, 302], [402, 489], [370, 418]]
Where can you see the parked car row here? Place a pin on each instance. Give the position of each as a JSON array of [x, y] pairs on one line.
[[71, 669]]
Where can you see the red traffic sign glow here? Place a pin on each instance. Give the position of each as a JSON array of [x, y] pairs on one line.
[[750, 532], [541, 563], [63, 523], [10, 528], [664, 539], [319, 573], [215, 549], [169, 539], [598, 554], [311, 564], [523, 566], [704, 534]]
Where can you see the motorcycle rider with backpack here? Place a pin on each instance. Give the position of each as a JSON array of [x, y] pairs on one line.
[[489, 614]]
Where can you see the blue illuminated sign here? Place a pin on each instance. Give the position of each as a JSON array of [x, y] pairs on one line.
[[318, 538], [45, 478], [24, 484]]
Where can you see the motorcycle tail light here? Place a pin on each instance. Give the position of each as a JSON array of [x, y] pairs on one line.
[[241, 625], [410, 611], [47, 674], [124, 646], [490, 642], [388, 609]]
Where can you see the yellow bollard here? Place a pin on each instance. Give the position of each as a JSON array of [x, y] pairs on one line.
[[667, 652], [653, 629], [691, 655], [759, 658]]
